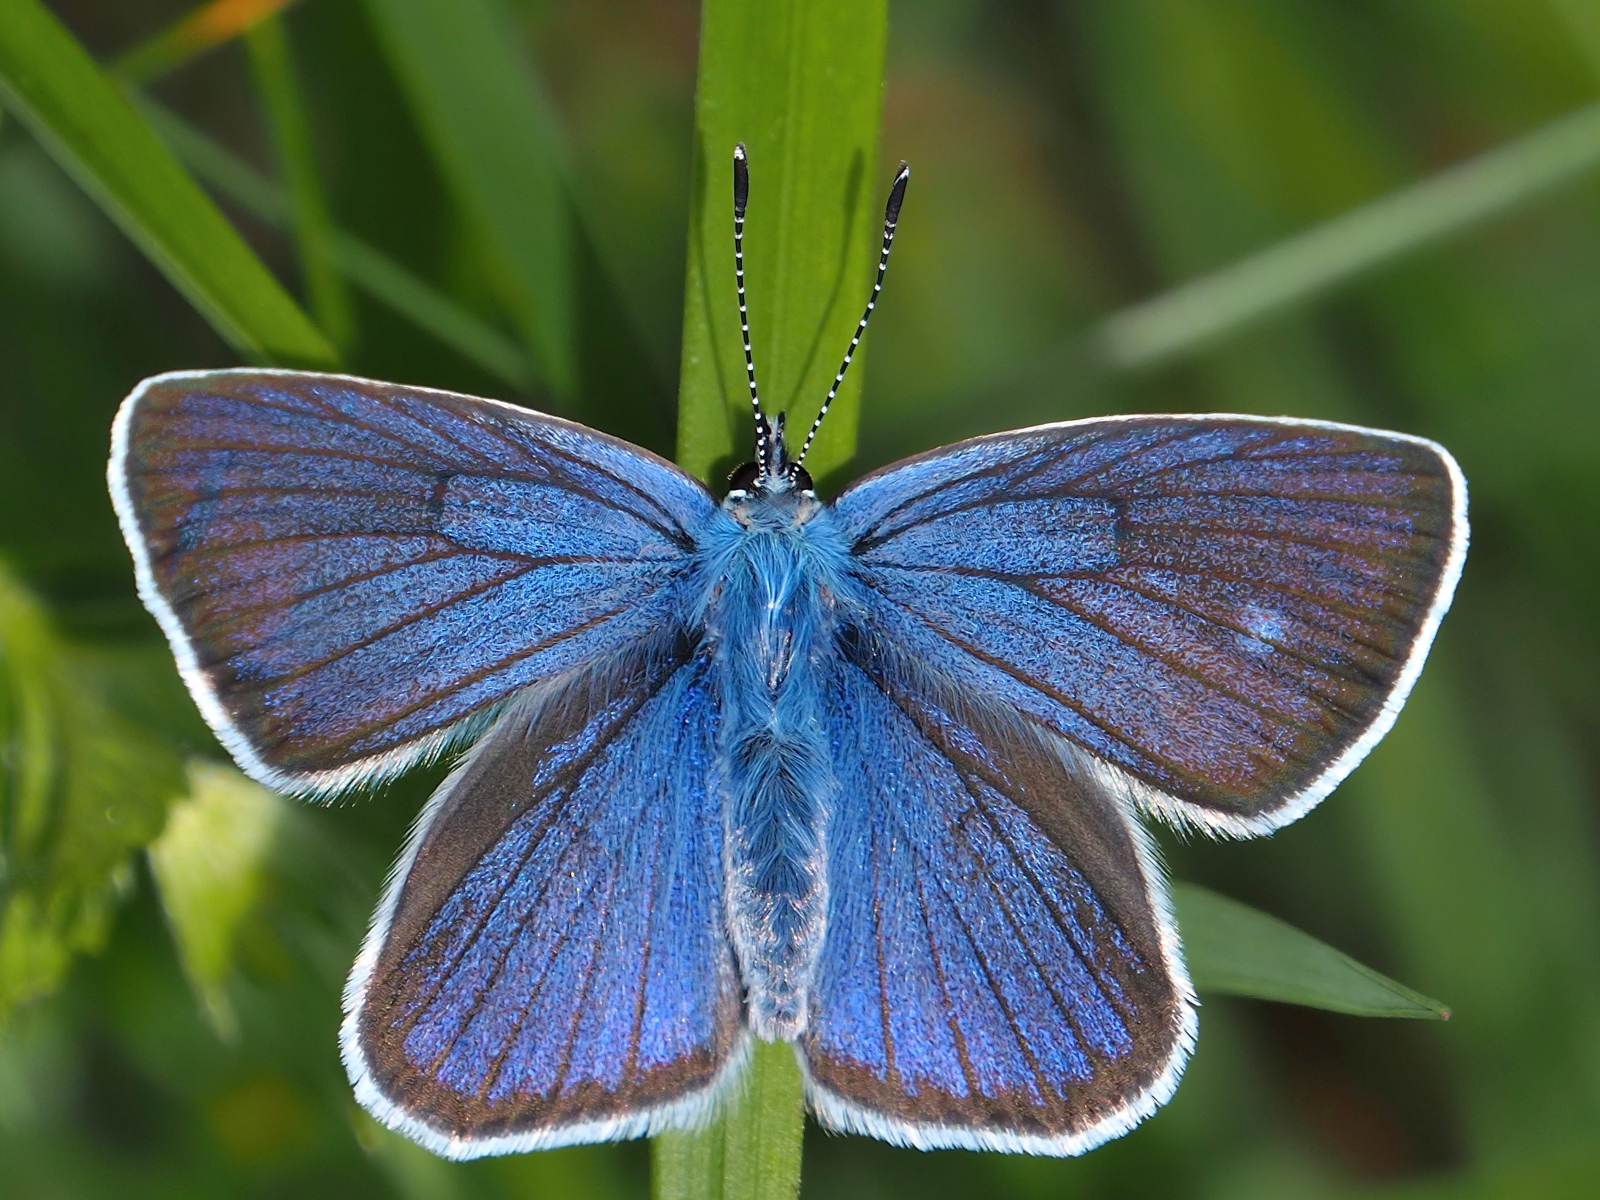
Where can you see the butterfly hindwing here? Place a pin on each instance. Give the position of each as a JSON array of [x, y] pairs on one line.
[[550, 964], [999, 971], [1227, 611], [348, 570]]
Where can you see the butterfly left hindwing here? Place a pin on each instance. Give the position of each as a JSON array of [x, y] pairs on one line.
[[550, 964]]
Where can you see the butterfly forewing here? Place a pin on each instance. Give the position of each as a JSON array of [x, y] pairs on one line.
[[551, 963], [999, 971], [1228, 611], [349, 569]]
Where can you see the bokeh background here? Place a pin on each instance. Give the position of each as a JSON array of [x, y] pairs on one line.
[[1073, 160]]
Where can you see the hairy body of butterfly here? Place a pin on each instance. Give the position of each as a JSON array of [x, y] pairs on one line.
[[768, 588]]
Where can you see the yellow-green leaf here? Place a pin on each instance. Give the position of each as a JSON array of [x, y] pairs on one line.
[[211, 865], [80, 789]]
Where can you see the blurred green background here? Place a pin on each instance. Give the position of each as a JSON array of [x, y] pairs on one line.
[[1073, 160]]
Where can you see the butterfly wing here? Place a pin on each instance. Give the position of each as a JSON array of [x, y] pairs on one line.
[[550, 963], [350, 570], [1227, 612], [999, 971]]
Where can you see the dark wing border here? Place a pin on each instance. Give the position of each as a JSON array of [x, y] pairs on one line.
[[1181, 814]]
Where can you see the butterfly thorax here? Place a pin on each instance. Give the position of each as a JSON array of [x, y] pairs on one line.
[[772, 581]]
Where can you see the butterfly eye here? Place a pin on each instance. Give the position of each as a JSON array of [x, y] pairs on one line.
[[744, 478], [800, 478]]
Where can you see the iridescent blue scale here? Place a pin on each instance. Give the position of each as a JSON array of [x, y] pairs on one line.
[[865, 777]]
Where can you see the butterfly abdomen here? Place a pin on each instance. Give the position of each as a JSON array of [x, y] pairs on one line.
[[771, 617]]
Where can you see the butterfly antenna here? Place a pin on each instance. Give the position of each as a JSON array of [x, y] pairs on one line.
[[741, 196], [891, 215]]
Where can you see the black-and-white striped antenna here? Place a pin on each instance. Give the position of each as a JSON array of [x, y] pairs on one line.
[[891, 215], [741, 196]]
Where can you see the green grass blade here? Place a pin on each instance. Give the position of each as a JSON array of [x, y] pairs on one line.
[[1301, 268], [761, 1155], [495, 141], [753, 1152], [77, 113], [456, 326], [285, 109], [210, 866], [1239, 951], [369, 269], [688, 1166], [801, 84]]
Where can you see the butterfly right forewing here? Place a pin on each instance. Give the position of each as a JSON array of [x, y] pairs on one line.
[[1226, 612]]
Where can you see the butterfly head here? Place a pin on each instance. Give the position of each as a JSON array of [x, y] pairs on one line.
[[773, 480]]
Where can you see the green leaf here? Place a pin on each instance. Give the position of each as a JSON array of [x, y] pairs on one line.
[[801, 85], [78, 114], [495, 140], [285, 108], [364, 266], [753, 1151], [211, 865], [80, 789], [1239, 951]]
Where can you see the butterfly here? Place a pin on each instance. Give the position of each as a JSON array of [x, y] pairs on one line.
[[865, 776]]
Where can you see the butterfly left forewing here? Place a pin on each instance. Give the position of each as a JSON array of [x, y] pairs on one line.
[[550, 964], [353, 572], [999, 970]]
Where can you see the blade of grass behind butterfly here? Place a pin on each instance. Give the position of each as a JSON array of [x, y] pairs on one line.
[[283, 104], [495, 141], [801, 85], [366, 267], [77, 113], [1296, 272]]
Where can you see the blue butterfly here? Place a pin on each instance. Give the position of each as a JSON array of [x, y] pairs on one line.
[[862, 776]]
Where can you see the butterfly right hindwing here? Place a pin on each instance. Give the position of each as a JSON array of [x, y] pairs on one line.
[[999, 970]]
